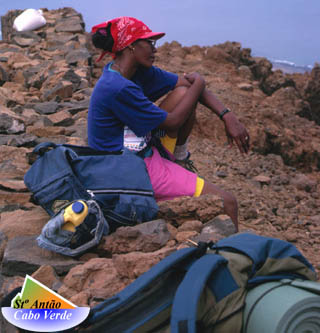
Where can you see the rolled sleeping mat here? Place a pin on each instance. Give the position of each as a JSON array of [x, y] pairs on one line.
[[284, 306]]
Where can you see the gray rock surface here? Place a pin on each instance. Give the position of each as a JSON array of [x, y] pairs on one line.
[[23, 256]]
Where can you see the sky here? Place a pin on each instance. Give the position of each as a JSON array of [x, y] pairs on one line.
[[277, 29]]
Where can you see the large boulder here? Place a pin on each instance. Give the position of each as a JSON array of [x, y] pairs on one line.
[[261, 68], [275, 81]]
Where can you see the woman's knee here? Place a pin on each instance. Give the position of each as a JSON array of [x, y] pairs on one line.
[[180, 91]]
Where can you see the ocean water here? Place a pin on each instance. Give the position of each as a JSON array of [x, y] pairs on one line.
[[289, 66]]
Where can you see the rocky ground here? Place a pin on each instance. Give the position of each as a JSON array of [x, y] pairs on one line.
[[46, 78]]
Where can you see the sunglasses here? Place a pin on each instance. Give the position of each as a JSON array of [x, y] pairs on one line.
[[152, 42]]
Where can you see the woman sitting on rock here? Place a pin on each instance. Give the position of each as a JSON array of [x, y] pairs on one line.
[[122, 112]]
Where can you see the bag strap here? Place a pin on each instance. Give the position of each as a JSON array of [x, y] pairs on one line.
[[43, 147], [184, 309], [140, 283], [259, 249]]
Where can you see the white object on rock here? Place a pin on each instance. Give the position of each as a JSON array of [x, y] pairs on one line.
[[30, 19]]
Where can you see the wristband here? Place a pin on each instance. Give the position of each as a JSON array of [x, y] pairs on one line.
[[221, 115]]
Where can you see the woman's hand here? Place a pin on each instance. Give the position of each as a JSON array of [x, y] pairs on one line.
[[191, 78], [236, 132]]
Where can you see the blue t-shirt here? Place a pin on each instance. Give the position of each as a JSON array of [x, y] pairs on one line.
[[117, 102]]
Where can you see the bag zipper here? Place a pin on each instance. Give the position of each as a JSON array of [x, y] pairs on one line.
[[120, 191]]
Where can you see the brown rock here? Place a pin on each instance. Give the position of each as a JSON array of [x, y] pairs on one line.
[[97, 273], [171, 243], [13, 162], [261, 67], [304, 183], [10, 283], [245, 72], [14, 86], [181, 209], [8, 198], [315, 220], [87, 256], [132, 265], [194, 225], [47, 276], [46, 131], [183, 236], [22, 65], [81, 299], [262, 179], [63, 89], [10, 124], [276, 81], [3, 98], [7, 95], [245, 86], [145, 237], [220, 227], [62, 118], [23, 223], [76, 141], [217, 54], [312, 93], [3, 76], [291, 236], [3, 244], [17, 57], [250, 213], [11, 184], [173, 230]]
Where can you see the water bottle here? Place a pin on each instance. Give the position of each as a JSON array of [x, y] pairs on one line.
[[74, 215]]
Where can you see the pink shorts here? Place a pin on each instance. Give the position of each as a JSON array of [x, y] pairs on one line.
[[169, 180]]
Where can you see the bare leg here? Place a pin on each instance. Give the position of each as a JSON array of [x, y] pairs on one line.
[[168, 104], [229, 201]]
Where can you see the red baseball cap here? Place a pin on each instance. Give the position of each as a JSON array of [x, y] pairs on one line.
[[126, 30]]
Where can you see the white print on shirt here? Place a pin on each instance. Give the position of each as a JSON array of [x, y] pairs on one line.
[[133, 142]]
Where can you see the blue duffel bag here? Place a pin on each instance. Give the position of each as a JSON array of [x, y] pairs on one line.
[[118, 182]]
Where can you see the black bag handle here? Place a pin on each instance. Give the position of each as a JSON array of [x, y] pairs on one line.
[[43, 147]]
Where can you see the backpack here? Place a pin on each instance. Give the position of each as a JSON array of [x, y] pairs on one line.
[[118, 182], [200, 289]]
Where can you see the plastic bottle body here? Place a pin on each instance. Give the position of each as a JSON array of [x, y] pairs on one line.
[[74, 215]]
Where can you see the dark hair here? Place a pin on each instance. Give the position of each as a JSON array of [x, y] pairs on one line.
[[102, 39]]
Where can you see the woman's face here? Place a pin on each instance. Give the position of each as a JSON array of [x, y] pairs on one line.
[[144, 51]]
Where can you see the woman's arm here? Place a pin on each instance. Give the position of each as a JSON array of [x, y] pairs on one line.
[[235, 131]]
